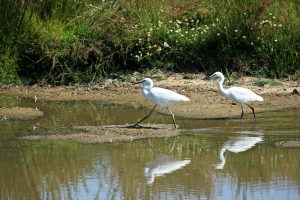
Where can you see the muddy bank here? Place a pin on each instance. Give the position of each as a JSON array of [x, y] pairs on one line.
[[113, 133], [205, 102], [23, 113]]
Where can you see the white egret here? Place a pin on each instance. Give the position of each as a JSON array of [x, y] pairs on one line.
[[237, 145], [237, 94], [163, 165], [160, 96]]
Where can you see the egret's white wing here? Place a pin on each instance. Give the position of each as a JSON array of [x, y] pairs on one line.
[[243, 95], [165, 97]]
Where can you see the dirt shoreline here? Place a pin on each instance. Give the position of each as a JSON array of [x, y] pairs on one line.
[[205, 102]]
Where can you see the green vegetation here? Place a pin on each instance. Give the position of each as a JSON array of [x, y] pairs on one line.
[[270, 82], [76, 41]]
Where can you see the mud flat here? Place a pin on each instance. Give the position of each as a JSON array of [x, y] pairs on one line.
[[112, 133]]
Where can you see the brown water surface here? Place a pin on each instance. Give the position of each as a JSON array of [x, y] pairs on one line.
[[213, 159]]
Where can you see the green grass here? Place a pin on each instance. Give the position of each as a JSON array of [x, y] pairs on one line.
[[71, 41], [269, 82]]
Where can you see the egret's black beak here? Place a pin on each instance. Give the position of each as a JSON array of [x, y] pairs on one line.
[[138, 82], [208, 77]]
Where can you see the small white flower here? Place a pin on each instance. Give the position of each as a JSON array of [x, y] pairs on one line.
[[166, 45], [235, 30], [244, 37], [218, 34], [178, 21]]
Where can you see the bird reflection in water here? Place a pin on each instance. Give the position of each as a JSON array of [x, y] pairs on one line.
[[237, 145], [163, 165]]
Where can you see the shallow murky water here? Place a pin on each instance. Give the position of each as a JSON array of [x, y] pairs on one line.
[[214, 159]]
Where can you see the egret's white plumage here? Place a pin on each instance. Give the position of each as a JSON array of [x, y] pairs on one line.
[[237, 145], [160, 96], [237, 94]]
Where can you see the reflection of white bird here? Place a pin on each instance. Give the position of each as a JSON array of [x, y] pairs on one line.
[[237, 145], [160, 96], [237, 94], [161, 166], [35, 98]]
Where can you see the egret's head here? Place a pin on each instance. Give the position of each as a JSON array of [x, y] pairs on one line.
[[147, 82], [217, 75]]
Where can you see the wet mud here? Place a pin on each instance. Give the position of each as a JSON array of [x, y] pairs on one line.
[[112, 133]]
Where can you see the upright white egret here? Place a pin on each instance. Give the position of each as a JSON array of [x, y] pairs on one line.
[[160, 96], [237, 94], [237, 145], [163, 165]]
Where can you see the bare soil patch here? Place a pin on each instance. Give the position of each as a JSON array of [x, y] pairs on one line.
[[113, 133]]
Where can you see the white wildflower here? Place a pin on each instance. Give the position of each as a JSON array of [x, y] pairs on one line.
[[166, 45]]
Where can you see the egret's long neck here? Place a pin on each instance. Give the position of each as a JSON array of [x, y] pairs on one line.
[[146, 88], [220, 86], [145, 91], [222, 158]]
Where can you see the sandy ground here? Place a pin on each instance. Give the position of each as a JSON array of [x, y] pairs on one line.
[[206, 102]]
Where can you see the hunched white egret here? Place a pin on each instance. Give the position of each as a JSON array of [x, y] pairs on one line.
[[237, 145], [237, 94], [159, 96]]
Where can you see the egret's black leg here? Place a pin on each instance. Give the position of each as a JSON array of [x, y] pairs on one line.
[[242, 112], [252, 110], [172, 117], [145, 116]]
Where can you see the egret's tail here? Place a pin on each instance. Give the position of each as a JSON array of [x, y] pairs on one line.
[[259, 98], [184, 98]]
